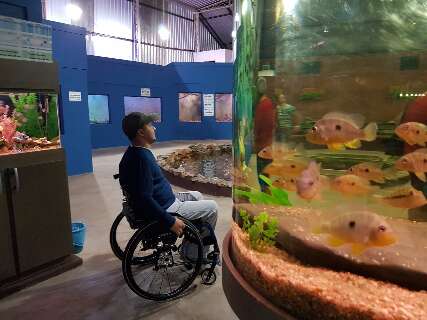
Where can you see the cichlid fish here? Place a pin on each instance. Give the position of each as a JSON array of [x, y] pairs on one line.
[[278, 152], [288, 168], [405, 197], [351, 184], [310, 183], [288, 184], [339, 131], [413, 133], [369, 171], [361, 229], [415, 162]]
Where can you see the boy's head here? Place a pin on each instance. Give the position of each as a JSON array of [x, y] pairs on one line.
[[138, 128]]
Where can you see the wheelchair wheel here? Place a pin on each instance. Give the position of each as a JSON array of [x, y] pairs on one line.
[[120, 234], [166, 273]]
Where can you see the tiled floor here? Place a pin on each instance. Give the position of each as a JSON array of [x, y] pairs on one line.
[[96, 290]]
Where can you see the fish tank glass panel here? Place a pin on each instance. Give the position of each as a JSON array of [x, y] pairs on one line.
[[223, 107], [330, 132], [28, 122], [152, 106], [190, 107], [99, 112]]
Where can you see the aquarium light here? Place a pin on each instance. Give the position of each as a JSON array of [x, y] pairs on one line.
[[289, 6], [74, 12]]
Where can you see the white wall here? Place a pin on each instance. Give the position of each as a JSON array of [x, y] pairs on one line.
[[221, 55]]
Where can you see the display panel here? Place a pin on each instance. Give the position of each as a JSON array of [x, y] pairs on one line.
[[146, 105], [190, 107], [223, 107], [99, 112]]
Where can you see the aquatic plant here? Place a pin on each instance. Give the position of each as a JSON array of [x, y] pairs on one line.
[[275, 195], [310, 96], [262, 229]]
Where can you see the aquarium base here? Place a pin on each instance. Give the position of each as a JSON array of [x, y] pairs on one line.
[[206, 188], [40, 274], [245, 301], [308, 292]]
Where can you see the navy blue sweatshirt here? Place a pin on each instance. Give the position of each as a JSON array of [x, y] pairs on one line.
[[150, 192]]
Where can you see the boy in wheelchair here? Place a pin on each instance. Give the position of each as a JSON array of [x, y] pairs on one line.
[[150, 194]]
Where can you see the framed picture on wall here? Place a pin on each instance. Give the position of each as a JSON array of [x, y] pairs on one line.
[[190, 107], [146, 105], [224, 107], [99, 112]]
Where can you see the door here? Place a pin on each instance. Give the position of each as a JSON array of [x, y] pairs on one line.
[[42, 214], [7, 265]]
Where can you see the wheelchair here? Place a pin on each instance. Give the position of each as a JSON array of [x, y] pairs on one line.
[[154, 264]]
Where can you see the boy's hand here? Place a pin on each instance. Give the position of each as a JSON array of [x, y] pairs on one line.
[[178, 227]]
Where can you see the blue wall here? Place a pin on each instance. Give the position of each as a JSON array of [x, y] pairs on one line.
[[118, 78], [69, 51]]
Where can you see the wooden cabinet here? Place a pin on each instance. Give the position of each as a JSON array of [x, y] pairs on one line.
[[7, 265], [35, 217]]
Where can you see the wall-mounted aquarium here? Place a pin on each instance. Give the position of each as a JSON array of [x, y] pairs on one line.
[[28, 122], [330, 157]]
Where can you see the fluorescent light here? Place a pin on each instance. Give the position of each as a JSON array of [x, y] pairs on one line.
[[164, 33], [74, 12], [245, 6]]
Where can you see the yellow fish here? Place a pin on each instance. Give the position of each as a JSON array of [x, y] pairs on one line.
[[339, 131], [287, 168], [405, 197], [351, 184], [361, 229], [415, 162], [288, 184], [369, 171], [412, 133]]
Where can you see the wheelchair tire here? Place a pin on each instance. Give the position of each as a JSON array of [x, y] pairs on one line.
[[166, 265], [208, 277], [119, 247]]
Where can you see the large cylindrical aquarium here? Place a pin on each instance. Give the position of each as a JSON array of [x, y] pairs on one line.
[[330, 160]]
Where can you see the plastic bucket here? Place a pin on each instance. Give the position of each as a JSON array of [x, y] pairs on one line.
[[79, 233]]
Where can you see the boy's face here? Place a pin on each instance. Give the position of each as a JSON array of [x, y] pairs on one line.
[[148, 132]]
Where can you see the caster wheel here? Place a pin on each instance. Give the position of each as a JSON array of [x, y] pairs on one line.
[[208, 277]]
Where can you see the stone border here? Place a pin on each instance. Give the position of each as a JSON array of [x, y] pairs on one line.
[[213, 186]]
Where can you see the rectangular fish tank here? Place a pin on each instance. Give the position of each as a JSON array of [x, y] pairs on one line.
[[28, 122], [330, 155]]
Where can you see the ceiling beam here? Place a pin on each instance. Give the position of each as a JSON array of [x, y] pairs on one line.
[[212, 32]]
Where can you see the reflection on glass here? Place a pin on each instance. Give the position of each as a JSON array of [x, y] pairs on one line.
[[190, 107]]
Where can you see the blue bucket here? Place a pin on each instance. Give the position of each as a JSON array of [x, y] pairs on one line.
[[79, 233]]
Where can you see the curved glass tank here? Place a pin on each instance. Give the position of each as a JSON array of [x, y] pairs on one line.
[[330, 151], [28, 122]]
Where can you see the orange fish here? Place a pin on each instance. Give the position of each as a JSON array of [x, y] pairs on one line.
[[351, 184], [415, 162], [288, 168], [277, 152], [340, 130], [412, 133], [369, 171], [361, 229], [406, 198], [310, 183], [288, 184]]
